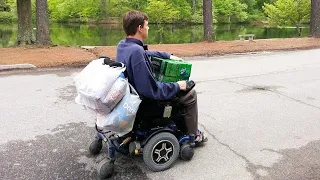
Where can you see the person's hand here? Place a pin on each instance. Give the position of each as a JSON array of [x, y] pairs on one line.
[[182, 85], [175, 58]]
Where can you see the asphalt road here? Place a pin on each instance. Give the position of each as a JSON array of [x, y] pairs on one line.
[[261, 112]]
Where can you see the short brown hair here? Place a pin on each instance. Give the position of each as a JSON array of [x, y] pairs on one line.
[[132, 19]]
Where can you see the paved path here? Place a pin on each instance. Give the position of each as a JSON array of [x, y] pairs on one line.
[[261, 112]]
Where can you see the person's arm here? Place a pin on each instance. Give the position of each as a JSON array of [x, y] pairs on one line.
[[163, 55], [158, 54], [146, 85]]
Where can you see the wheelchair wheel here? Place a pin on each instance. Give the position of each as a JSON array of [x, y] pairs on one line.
[[161, 151], [105, 168], [186, 152], [95, 146]]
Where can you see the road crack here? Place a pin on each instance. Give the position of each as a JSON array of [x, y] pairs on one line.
[[251, 167]]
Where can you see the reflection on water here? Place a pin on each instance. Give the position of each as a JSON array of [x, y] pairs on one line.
[[109, 35]]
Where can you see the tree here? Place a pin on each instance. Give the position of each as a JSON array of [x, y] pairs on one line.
[[231, 9], [260, 3], [138, 4], [4, 6], [288, 12], [207, 21], [62, 10], [43, 31], [193, 7], [251, 4], [161, 11], [103, 9], [183, 8], [315, 19], [24, 22]]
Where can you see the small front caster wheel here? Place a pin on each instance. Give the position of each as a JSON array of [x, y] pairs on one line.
[[186, 152], [95, 146]]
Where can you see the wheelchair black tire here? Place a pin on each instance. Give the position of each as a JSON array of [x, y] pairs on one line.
[[105, 168], [165, 138], [186, 152], [95, 146]]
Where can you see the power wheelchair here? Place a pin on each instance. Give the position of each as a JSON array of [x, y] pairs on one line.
[[158, 135]]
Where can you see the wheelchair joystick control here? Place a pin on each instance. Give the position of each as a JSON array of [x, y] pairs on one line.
[[190, 85]]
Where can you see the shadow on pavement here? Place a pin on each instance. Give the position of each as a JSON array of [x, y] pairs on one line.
[[61, 155]]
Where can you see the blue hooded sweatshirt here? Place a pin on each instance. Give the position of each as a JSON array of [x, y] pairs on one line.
[[134, 55]]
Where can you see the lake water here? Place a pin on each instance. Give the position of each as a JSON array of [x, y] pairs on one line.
[[106, 35]]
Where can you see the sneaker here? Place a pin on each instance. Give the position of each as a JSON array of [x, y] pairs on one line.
[[200, 138]]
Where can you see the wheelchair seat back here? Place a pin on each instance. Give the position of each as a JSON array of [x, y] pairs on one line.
[[150, 114]]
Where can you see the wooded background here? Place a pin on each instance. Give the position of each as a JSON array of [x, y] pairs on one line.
[[208, 12]]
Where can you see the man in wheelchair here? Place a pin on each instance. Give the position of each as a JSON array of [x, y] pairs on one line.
[[155, 95], [155, 136]]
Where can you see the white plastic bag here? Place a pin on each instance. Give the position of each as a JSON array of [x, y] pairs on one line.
[[94, 105], [115, 94], [121, 118], [96, 79]]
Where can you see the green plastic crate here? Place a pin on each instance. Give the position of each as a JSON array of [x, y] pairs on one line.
[[167, 70], [163, 78]]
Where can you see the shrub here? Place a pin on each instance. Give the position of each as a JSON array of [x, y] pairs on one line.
[[7, 17]]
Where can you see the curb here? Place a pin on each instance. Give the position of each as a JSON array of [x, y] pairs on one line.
[[17, 66]]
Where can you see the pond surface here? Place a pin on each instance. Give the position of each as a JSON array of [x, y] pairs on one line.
[[110, 35]]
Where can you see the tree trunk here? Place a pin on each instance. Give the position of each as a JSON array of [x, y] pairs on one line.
[[43, 31], [207, 20], [193, 6], [103, 9], [299, 30], [24, 22], [315, 19]]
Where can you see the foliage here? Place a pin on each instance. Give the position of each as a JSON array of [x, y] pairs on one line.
[[288, 12], [62, 10], [119, 7], [256, 15], [251, 4], [75, 34], [196, 18], [7, 17], [260, 3], [161, 12], [10, 13], [183, 8], [4, 6], [137, 4], [232, 9]]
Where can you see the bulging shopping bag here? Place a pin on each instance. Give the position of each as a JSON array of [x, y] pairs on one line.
[[96, 79], [115, 94], [121, 118], [93, 105]]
